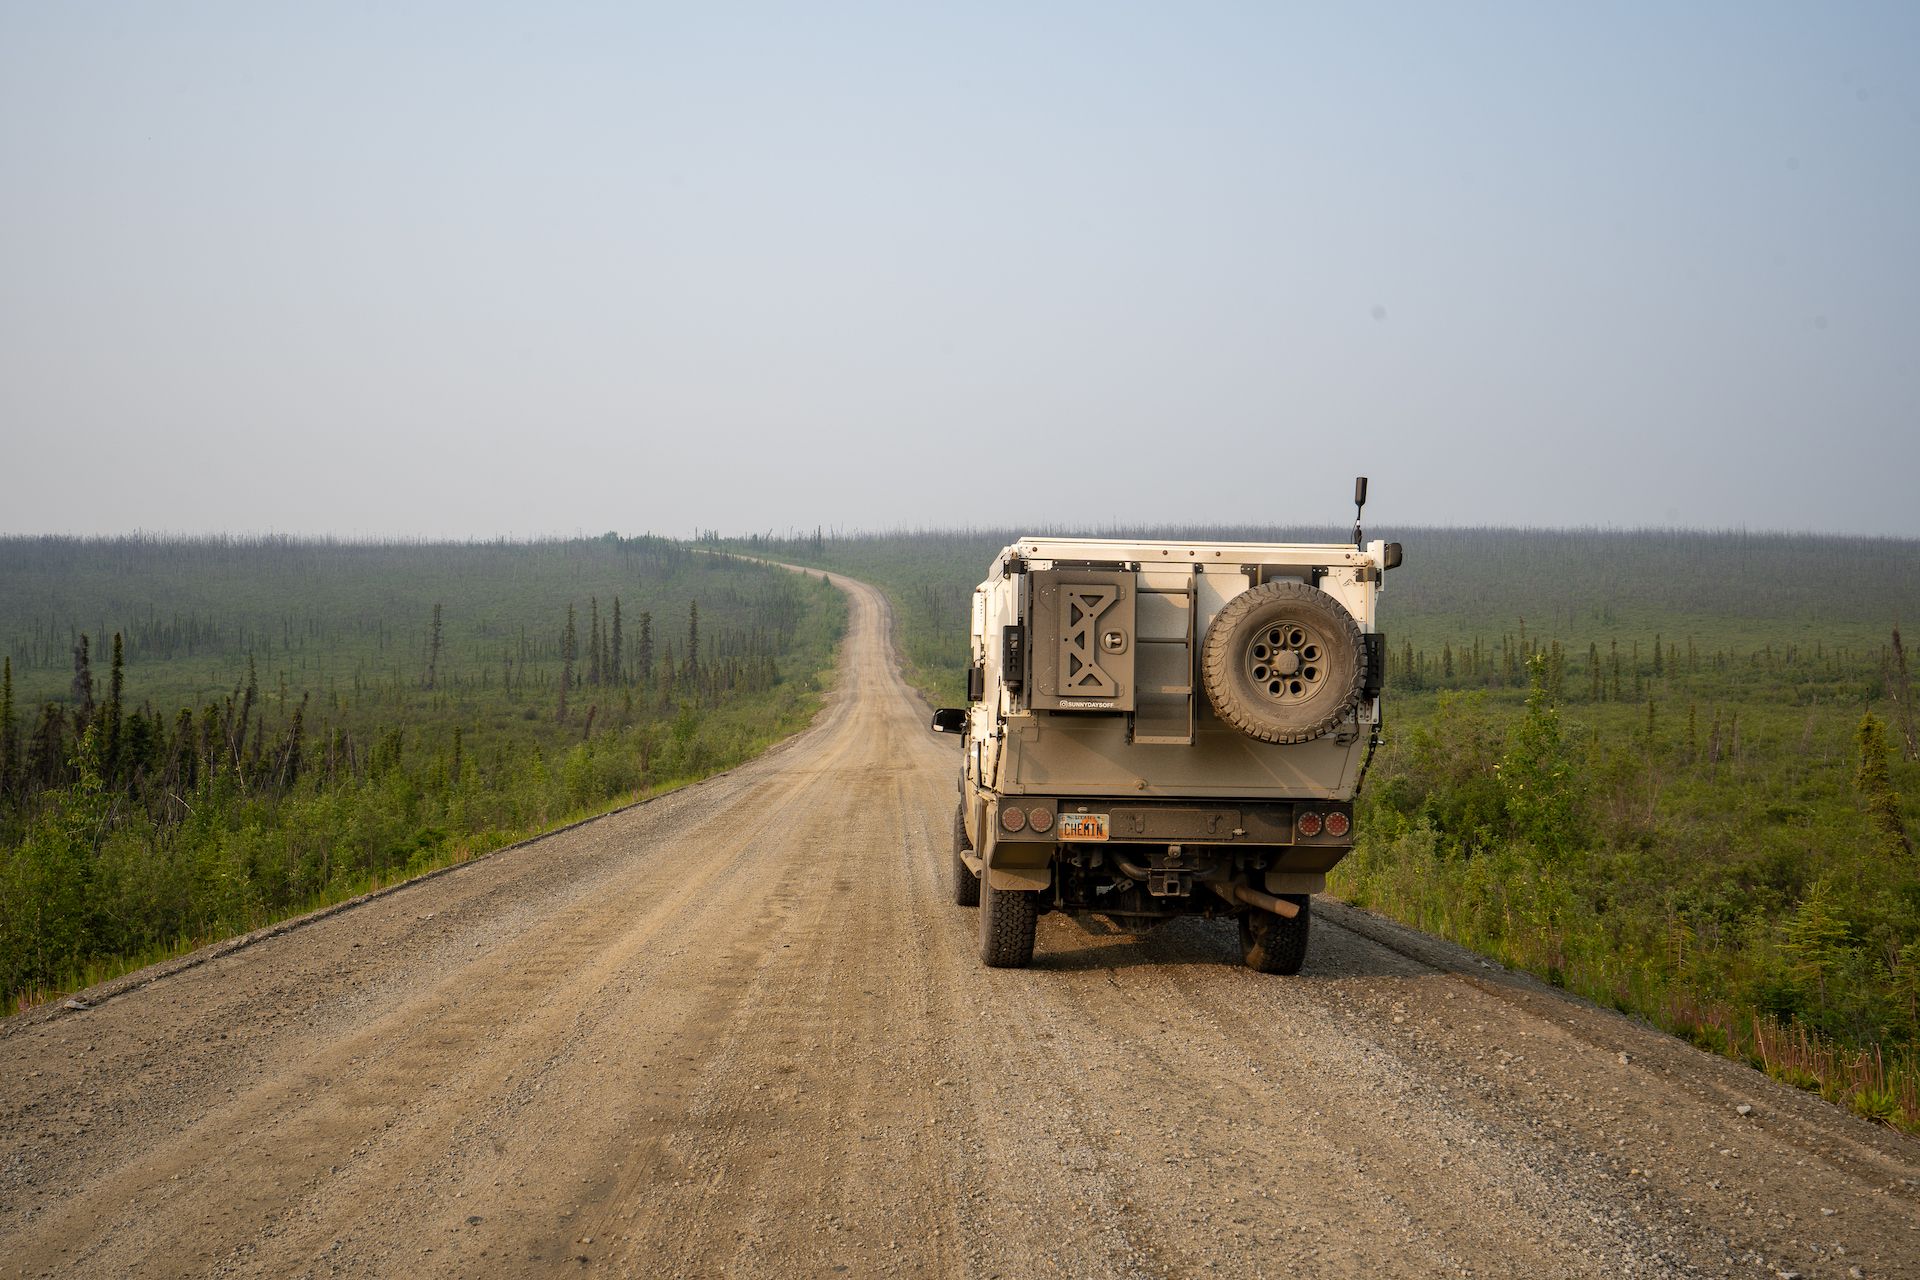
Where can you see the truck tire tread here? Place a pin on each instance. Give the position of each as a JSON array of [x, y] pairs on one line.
[[1276, 944], [1008, 920], [966, 885]]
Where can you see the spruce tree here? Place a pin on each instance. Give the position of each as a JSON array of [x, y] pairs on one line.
[[693, 640], [9, 743], [116, 688], [83, 676], [184, 771], [1873, 779], [47, 752], [1814, 937], [247, 700], [643, 655], [615, 672], [593, 640], [433, 649], [569, 647]]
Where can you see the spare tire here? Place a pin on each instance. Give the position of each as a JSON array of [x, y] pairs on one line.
[[1283, 662]]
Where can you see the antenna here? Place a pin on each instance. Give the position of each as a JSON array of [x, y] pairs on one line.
[[1359, 502]]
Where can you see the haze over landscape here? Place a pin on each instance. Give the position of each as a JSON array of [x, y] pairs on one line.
[[469, 270], [508, 762]]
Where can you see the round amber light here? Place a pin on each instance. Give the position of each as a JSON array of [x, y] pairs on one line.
[[1012, 819], [1309, 824], [1039, 819], [1338, 824]]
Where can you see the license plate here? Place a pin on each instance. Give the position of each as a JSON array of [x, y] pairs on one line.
[[1083, 826]]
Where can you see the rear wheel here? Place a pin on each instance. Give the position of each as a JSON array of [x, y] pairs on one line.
[[1008, 918], [966, 885], [1276, 944]]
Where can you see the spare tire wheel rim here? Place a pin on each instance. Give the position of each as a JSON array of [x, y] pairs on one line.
[[1287, 662]]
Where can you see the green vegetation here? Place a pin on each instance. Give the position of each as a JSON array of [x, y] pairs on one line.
[[1676, 773], [284, 724]]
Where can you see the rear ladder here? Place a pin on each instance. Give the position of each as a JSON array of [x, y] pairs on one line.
[[1164, 674]]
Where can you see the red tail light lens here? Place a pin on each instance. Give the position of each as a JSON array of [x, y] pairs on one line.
[[1040, 819], [1309, 824], [1012, 819], [1338, 824]]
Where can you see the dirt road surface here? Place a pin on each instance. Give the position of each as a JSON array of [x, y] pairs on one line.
[[741, 1031]]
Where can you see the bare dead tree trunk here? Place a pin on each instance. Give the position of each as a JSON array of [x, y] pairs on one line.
[[1902, 688]]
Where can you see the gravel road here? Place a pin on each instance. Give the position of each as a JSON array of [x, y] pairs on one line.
[[741, 1031]]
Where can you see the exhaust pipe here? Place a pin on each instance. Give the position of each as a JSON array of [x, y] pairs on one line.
[[1239, 893]]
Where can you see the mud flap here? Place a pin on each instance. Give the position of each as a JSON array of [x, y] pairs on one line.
[[1020, 865], [1308, 882], [1020, 877]]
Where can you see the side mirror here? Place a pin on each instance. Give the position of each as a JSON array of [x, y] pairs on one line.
[[950, 720], [1391, 559]]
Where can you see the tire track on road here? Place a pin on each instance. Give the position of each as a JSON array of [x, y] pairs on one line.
[[742, 1031]]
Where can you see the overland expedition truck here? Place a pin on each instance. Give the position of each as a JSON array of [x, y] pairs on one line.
[[1160, 729]]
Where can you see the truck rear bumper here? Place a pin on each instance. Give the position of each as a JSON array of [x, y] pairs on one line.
[[1030, 864], [1117, 820]]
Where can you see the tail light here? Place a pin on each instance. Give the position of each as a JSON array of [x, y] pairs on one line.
[[1338, 824], [1308, 824], [1040, 818], [1012, 819]]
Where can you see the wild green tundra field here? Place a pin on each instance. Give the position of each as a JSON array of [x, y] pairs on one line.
[[1673, 772], [200, 737]]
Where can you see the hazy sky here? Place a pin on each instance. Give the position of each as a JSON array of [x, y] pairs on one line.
[[467, 269]]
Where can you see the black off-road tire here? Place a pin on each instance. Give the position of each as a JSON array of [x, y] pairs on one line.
[[1283, 625], [1008, 918], [966, 885], [1276, 944]]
